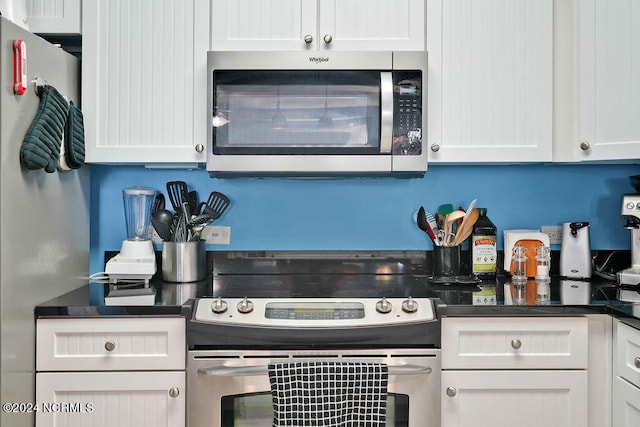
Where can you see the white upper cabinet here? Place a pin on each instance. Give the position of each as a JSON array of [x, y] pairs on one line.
[[144, 73], [54, 16], [317, 24], [490, 80], [609, 76]]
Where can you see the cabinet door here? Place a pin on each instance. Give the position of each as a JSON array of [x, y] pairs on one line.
[[627, 353], [106, 399], [263, 24], [609, 94], [490, 82], [54, 17], [510, 398], [144, 73], [626, 404], [372, 24]]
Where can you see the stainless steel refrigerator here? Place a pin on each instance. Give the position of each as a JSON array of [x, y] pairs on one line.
[[44, 217]]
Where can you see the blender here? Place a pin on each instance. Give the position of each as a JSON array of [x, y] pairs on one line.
[[130, 270], [629, 279]]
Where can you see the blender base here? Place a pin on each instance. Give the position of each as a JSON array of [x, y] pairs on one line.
[[629, 285], [144, 296]]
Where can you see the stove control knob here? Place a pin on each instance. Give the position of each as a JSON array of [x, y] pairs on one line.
[[383, 306], [409, 305], [219, 306], [245, 306]]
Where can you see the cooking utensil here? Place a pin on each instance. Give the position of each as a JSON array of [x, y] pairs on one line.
[[178, 193], [466, 228], [161, 222], [158, 204], [197, 224], [423, 224], [448, 226], [470, 208], [180, 233], [192, 198], [216, 205]]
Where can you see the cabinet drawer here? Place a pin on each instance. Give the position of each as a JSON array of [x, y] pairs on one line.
[[515, 343], [110, 344], [627, 362]]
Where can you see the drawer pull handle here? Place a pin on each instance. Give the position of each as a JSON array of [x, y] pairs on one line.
[[451, 391], [174, 392], [636, 362], [516, 344], [109, 346]]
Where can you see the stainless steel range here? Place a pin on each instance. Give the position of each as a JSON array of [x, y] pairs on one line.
[[267, 308]]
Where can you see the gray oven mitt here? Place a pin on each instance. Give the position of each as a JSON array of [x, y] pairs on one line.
[[41, 145]]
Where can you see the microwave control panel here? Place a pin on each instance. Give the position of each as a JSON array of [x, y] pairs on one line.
[[407, 113]]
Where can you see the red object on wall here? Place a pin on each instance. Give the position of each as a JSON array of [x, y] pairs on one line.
[[19, 67]]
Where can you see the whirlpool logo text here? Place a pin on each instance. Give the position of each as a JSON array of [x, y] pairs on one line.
[[318, 59]]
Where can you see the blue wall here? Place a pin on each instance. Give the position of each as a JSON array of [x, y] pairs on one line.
[[372, 214]]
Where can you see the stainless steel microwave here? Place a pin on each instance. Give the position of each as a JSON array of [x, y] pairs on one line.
[[316, 113]]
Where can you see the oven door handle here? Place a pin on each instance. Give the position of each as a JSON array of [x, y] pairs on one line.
[[232, 371]]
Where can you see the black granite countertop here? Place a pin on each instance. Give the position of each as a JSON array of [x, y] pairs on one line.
[[498, 297]]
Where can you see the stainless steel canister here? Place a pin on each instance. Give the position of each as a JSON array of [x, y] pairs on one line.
[[183, 261]]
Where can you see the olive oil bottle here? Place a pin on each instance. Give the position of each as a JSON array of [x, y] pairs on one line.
[[484, 251]]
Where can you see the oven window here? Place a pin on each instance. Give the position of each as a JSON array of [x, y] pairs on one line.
[[256, 410], [292, 112]]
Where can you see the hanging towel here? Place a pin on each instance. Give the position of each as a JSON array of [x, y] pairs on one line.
[[41, 145], [329, 394]]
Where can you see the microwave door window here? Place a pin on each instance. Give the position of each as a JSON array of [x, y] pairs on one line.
[[297, 112]]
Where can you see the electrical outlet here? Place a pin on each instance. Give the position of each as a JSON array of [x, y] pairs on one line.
[[554, 232], [216, 234]]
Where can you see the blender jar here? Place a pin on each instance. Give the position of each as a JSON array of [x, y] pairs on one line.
[[137, 211]]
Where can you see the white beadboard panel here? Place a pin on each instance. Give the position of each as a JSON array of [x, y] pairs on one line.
[[262, 24], [140, 344], [490, 80], [120, 399], [609, 52], [54, 16], [486, 343], [144, 80], [508, 398], [373, 24]]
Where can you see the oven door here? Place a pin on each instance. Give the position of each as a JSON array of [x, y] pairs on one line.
[[231, 389]]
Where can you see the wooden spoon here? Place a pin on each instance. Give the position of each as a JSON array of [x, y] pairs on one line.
[[465, 229], [448, 225]]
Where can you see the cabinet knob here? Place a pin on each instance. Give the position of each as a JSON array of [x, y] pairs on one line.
[[516, 344], [308, 39], [636, 362], [327, 38], [174, 392], [109, 346], [199, 148], [435, 147], [584, 146], [451, 391]]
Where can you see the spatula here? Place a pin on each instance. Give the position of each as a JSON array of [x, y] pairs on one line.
[[215, 205], [177, 191], [465, 229]]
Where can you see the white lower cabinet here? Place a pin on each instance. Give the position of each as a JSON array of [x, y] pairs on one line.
[[510, 398], [506, 371], [125, 372], [626, 386], [105, 399]]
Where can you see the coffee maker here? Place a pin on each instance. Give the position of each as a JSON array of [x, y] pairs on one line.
[[629, 279]]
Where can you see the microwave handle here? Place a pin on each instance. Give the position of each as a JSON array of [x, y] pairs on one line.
[[232, 371], [386, 108]]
